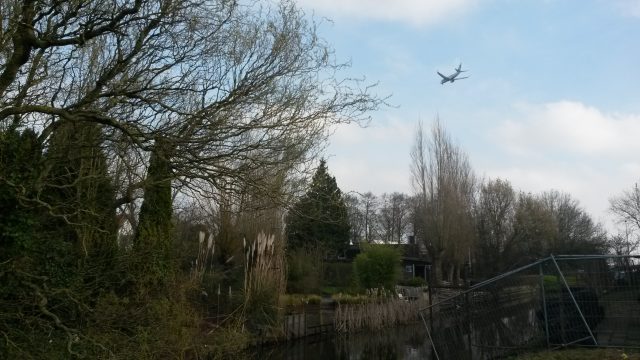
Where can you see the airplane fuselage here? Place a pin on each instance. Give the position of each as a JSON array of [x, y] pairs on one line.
[[451, 78]]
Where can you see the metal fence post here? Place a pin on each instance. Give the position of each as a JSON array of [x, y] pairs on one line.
[[430, 285], [468, 305], [544, 306], [595, 342], [433, 345]]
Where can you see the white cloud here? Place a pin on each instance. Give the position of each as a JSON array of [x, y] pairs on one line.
[[363, 176], [571, 147], [592, 188], [375, 158], [416, 12], [572, 128], [385, 132]]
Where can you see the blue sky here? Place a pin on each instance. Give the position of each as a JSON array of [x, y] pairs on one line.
[[553, 100]]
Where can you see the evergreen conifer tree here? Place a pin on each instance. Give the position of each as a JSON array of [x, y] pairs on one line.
[[320, 218]]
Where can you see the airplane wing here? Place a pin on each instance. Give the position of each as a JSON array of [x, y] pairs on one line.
[[444, 77], [466, 77]]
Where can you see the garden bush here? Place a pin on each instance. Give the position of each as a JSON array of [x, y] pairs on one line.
[[378, 266]]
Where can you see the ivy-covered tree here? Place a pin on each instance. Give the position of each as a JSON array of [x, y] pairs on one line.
[[319, 219], [20, 160], [57, 233], [153, 236], [79, 190]]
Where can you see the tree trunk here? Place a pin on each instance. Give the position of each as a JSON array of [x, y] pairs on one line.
[[451, 268], [436, 270]]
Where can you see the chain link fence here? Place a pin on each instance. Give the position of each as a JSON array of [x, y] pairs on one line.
[[555, 302]]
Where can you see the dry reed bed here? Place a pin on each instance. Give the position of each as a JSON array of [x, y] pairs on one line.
[[377, 314]]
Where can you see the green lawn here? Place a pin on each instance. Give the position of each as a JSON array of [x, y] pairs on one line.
[[583, 354]]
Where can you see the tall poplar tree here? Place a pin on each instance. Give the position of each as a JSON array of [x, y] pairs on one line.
[[443, 183]]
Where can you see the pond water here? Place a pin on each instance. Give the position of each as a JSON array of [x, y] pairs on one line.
[[407, 342]]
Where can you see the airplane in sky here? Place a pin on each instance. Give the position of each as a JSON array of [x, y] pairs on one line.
[[453, 77]]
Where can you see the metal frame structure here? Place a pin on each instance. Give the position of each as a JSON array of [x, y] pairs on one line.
[[558, 301]]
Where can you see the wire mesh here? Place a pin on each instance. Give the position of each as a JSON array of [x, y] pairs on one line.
[[608, 289], [555, 302]]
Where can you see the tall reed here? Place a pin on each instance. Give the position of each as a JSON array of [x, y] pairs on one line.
[[264, 278], [206, 251], [377, 314]]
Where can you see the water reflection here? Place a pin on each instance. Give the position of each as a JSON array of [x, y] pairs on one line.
[[465, 334], [408, 342]]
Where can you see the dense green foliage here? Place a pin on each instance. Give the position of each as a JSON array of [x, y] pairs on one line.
[[319, 219], [414, 281], [67, 290], [377, 267], [57, 254], [79, 187], [304, 271], [339, 275], [154, 233], [20, 162]]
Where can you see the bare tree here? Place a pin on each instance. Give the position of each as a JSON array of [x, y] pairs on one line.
[[626, 208], [443, 183], [495, 215], [553, 222], [624, 243], [394, 217], [363, 216], [369, 208], [229, 88], [356, 219], [576, 231], [533, 227]]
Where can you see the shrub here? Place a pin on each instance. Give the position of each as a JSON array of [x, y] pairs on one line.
[[329, 290], [290, 300], [338, 274], [304, 271], [553, 283], [313, 299], [377, 267], [416, 281], [225, 342]]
